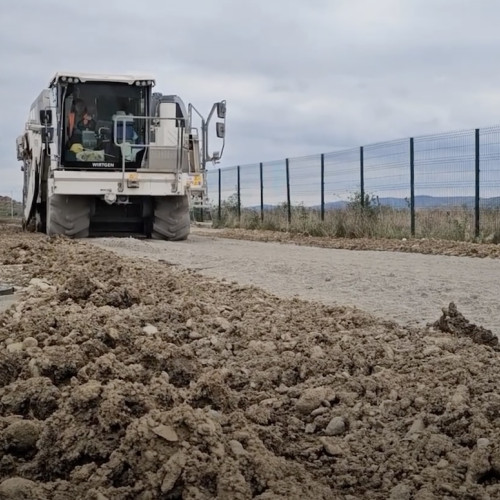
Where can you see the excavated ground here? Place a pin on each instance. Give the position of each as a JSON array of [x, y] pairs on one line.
[[413, 245], [131, 379]]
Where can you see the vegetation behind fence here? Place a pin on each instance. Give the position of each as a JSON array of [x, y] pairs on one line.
[[440, 186], [9, 207]]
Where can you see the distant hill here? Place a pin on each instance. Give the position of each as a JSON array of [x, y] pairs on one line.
[[10, 207], [421, 202], [430, 202]]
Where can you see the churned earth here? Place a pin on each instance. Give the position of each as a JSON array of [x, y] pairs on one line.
[[124, 378], [407, 287]]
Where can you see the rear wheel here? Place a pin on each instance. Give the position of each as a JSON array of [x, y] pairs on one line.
[[171, 219], [68, 215]]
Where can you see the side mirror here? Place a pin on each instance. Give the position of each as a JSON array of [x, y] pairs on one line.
[[221, 109], [46, 117], [220, 129]]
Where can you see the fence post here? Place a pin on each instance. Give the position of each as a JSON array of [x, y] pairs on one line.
[[261, 168], [220, 197], [412, 186], [288, 191], [362, 175], [239, 193], [322, 187], [476, 214]]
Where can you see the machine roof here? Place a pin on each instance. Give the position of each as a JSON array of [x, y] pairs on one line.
[[95, 77]]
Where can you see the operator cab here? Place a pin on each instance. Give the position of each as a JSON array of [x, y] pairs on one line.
[[98, 115]]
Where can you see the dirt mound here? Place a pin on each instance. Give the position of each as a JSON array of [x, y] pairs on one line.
[[128, 379], [453, 321]]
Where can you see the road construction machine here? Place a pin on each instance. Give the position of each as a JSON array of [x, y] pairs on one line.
[[104, 154]]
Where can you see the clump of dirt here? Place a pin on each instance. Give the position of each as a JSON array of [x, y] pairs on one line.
[[20, 436], [79, 287], [453, 321], [129, 379]]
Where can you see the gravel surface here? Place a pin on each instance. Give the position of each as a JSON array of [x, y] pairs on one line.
[[410, 288], [124, 378]]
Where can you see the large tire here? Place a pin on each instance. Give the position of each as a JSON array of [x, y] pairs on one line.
[[171, 219], [68, 215]]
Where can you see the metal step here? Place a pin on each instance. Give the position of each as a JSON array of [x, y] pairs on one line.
[[203, 212]]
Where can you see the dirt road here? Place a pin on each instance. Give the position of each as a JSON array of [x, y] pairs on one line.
[[410, 288]]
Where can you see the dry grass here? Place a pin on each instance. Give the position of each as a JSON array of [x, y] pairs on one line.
[[458, 224], [10, 208], [372, 221]]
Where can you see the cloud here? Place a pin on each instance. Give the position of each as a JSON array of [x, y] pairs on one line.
[[299, 77]]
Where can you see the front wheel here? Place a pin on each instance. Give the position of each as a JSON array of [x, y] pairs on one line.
[[171, 219], [68, 215]]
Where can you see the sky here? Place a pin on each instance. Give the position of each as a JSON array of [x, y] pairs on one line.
[[299, 77]]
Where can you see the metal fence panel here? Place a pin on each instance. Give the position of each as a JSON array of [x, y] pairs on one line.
[[305, 185], [490, 181], [229, 184], [445, 185], [386, 180], [342, 179], [387, 173], [274, 175], [250, 186]]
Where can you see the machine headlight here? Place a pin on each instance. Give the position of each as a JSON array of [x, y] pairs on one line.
[[143, 83]]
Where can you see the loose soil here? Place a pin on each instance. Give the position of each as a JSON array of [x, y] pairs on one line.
[[405, 287], [125, 378]]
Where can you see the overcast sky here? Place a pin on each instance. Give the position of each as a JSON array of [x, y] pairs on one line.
[[300, 77]]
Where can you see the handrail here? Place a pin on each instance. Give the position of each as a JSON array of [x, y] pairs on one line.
[[150, 120]]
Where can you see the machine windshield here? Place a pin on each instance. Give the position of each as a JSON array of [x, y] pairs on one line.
[[88, 113]]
